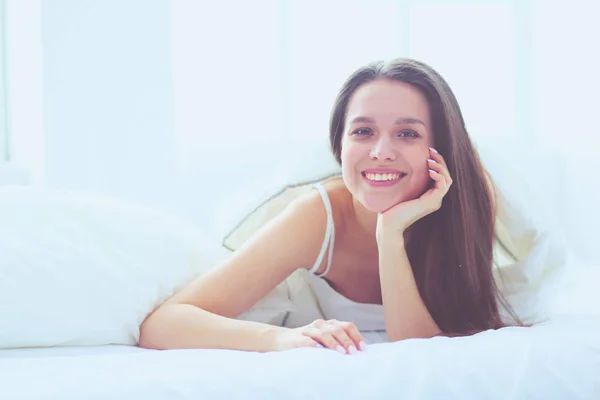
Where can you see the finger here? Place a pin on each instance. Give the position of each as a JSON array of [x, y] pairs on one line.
[[436, 166], [309, 342], [340, 334], [354, 335], [440, 179], [436, 176], [439, 167], [326, 339], [435, 155], [438, 158]]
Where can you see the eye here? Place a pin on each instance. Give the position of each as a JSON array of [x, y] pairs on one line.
[[408, 134], [362, 132]]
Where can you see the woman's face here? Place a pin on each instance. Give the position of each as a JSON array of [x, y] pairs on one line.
[[385, 145]]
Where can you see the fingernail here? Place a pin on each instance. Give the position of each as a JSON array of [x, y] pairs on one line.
[[340, 349], [432, 161], [435, 172], [432, 149], [362, 346], [352, 349], [320, 346]]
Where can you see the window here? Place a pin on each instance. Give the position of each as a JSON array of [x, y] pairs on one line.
[[472, 46], [278, 80], [21, 91], [3, 97]]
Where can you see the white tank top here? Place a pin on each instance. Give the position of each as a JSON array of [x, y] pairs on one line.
[[369, 318]]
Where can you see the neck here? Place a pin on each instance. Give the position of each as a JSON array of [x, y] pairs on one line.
[[367, 222]]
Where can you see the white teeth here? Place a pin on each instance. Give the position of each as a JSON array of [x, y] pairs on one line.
[[382, 177]]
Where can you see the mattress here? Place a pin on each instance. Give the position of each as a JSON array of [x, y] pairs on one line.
[[559, 359]]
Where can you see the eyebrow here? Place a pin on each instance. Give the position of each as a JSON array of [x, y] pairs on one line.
[[399, 121]]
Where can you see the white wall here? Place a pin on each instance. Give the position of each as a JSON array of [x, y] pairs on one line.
[[107, 95], [566, 87], [3, 97], [184, 105], [24, 70], [120, 121], [108, 104]]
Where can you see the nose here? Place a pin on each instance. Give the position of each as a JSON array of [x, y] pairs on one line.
[[383, 150]]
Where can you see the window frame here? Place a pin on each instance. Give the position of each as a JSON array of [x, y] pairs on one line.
[[4, 134]]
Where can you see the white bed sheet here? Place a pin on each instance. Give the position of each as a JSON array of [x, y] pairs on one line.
[[555, 360]]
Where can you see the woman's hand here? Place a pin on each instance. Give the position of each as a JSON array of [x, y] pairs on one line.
[[401, 216], [343, 337]]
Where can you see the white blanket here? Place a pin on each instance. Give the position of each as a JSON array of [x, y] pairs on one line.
[[555, 360]]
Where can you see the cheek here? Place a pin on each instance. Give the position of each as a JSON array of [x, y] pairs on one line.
[[349, 153], [420, 169], [420, 174], [351, 156]]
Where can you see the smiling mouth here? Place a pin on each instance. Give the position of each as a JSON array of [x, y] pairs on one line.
[[385, 177]]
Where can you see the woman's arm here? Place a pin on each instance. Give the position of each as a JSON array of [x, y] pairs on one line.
[[184, 326], [201, 315], [406, 316]]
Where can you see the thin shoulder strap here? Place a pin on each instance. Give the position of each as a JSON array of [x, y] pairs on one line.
[[329, 234]]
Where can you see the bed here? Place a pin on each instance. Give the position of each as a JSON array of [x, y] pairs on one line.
[[555, 360], [78, 274]]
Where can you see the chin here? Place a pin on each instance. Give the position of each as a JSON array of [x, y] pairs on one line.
[[379, 205]]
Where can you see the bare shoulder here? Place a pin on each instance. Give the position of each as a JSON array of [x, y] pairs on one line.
[[299, 230], [341, 202], [288, 242], [342, 213]]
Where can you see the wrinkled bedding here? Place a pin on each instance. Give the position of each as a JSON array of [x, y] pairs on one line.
[[555, 360]]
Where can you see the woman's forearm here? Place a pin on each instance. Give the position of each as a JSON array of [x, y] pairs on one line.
[[183, 326], [406, 315]]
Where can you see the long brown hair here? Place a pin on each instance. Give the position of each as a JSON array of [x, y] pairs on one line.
[[450, 250]]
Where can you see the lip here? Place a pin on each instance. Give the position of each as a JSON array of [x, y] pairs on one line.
[[383, 171]]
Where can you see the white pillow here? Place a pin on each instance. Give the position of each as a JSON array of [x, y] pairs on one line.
[[84, 270], [527, 231], [529, 254]]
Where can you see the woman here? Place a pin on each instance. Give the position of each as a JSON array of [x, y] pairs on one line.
[[413, 222]]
